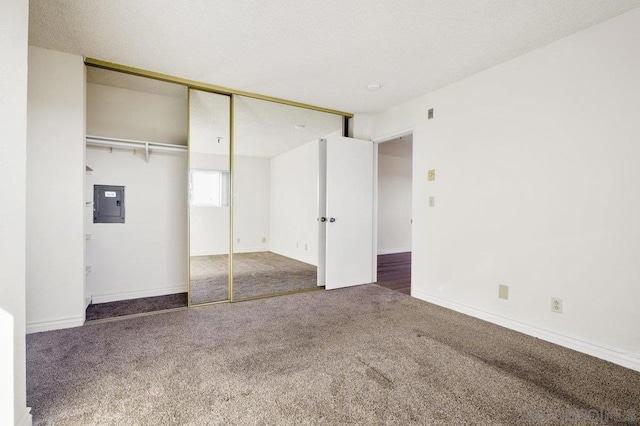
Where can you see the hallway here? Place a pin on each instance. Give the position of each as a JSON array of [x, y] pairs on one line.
[[394, 272]]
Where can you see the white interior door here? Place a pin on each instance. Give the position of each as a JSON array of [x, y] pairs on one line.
[[348, 212]]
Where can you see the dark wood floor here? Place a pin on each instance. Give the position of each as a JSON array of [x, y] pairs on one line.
[[136, 306], [394, 272]]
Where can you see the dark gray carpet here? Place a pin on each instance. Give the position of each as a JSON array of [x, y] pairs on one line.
[[364, 355], [135, 306], [254, 275]]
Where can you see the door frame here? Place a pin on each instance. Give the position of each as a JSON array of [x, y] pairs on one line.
[[376, 141]]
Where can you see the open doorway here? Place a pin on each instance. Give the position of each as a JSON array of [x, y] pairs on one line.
[[394, 213]]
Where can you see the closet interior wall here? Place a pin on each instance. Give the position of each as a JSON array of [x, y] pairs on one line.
[[146, 255]]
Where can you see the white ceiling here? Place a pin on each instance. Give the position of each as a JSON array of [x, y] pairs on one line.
[[267, 129], [318, 52], [261, 128], [398, 147]]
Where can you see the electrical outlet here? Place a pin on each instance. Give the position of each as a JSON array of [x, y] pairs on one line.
[[556, 305], [305, 247], [503, 291], [432, 201], [264, 239], [431, 175]]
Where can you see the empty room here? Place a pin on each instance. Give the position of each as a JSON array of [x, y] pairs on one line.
[[220, 212]]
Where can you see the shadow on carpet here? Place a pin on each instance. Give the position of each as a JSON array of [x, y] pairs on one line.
[[136, 306]]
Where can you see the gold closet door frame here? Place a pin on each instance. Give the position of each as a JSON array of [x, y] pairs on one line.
[[231, 172], [232, 93], [206, 87]]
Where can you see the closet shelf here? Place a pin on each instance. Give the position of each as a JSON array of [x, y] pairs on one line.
[[134, 144]]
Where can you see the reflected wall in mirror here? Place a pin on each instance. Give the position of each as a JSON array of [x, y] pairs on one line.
[[275, 190], [209, 196]]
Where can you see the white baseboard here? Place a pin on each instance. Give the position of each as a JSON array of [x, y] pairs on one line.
[[104, 298], [26, 419], [296, 256], [250, 249], [598, 351], [394, 250], [206, 253], [235, 250], [37, 327]]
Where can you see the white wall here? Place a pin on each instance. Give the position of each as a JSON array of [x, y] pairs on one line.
[[147, 255], [13, 128], [294, 203], [130, 114], [536, 188], [55, 171], [209, 227], [251, 209], [209, 230], [394, 204]]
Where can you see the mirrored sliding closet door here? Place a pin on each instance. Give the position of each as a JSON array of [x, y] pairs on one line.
[[209, 196], [275, 196]]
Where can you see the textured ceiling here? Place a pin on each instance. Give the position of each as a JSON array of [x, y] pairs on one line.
[[267, 129], [261, 128], [318, 52]]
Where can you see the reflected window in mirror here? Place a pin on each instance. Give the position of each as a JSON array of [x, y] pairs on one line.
[[209, 188]]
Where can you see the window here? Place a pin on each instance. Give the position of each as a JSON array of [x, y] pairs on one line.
[[209, 188]]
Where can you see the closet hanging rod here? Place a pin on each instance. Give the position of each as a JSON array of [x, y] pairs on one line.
[[131, 143], [134, 144]]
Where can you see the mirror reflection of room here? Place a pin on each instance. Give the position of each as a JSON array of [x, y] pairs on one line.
[[136, 141], [275, 190], [209, 196]]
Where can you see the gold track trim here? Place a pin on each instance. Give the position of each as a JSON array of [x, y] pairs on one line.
[[204, 86], [142, 314], [286, 293]]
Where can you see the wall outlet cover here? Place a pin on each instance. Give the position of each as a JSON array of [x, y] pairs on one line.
[[503, 291]]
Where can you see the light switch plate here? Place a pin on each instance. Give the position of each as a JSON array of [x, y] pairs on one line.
[[431, 174]]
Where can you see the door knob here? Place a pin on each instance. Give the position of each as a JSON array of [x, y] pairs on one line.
[[332, 219], [322, 219]]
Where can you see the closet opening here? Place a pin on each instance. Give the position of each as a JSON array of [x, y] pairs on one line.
[[136, 140]]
